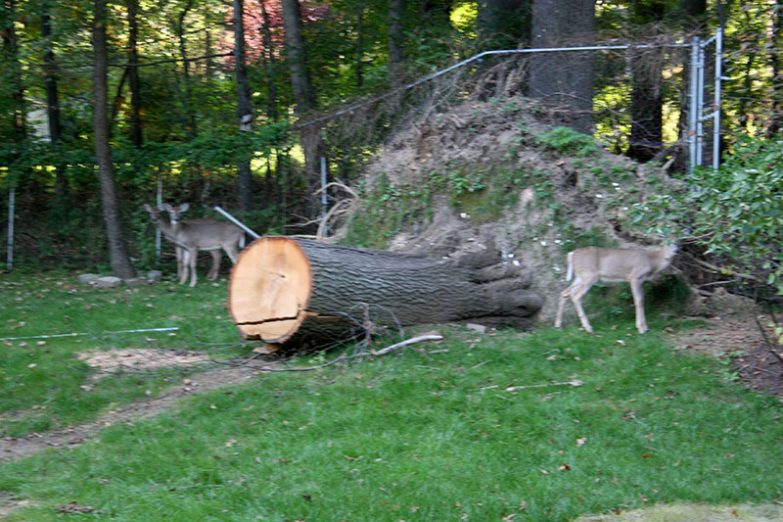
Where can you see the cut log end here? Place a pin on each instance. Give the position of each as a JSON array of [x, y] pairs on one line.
[[270, 289]]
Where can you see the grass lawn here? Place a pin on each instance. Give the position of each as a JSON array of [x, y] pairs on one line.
[[428, 433]]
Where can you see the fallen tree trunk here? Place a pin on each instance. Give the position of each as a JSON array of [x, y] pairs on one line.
[[286, 290]]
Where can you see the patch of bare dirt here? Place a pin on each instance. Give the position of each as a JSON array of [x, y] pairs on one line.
[[12, 448], [746, 342], [135, 359], [695, 513]]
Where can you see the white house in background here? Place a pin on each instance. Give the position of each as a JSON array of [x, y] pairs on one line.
[[38, 122]]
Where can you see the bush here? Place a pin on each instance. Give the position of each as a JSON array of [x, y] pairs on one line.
[[735, 212]]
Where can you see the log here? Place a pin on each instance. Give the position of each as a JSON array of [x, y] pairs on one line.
[[290, 290]]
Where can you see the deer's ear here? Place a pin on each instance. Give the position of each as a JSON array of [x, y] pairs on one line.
[[183, 207]]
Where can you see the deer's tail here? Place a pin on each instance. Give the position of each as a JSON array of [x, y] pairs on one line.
[[570, 271]]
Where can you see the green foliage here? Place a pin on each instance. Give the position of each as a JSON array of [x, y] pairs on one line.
[[568, 141], [735, 213]]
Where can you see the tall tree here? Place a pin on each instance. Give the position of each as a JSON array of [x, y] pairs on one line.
[[269, 63], [304, 94], [12, 74], [244, 106], [646, 137], [396, 40], [775, 58], [118, 251], [52, 98], [563, 81], [137, 136], [183, 55]]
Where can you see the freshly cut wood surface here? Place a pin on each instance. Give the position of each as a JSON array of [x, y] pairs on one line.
[[270, 288]]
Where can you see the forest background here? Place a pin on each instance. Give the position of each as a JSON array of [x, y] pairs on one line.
[[235, 104]]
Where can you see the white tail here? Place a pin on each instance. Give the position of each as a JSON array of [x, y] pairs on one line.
[[612, 265], [193, 235]]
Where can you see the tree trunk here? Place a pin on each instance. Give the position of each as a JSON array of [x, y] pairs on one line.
[[183, 54], [304, 95], [563, 81], [294, 291], [137, 137], [244, 106], [646, 138], [13, 73], [52, 102], [360, 46], [775, 55], [269, 64], [396, 41], [118, 252], [297, 58]]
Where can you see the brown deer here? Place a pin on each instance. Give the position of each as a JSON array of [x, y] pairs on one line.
[[612, 265], [193, 235]]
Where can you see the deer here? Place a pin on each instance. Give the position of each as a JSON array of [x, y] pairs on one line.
[[591, 265], [193, 235]]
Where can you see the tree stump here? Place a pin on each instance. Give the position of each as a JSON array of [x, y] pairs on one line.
[[292, 291]]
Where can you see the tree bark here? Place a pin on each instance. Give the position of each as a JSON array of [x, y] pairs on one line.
[[775, 55], [137, 136], [269, 64], [646, 138], [118, 252], [563, 81], [52, 101], [183, 54], [297, 58], [360, 46], [244, 106], [304, 95], [396, 41], [14, 69], [300, 292]]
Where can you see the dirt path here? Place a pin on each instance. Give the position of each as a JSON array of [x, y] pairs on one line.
[[12, 448]]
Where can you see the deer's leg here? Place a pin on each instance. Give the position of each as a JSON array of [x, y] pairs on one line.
[[232, 251], [564, 296], [638, 301], [183, 264], [192, 257], [578, 291], [178, 254], [215, 270]]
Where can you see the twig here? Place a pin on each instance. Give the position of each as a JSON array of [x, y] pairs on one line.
[[724, 270], [575, 383], [407, 342]]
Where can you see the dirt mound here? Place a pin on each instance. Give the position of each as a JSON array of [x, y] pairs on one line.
[[499, 177]]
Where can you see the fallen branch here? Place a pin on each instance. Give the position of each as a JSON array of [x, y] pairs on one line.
[[575, 383], [412, 340]]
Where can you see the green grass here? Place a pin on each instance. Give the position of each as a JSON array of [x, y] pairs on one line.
[[41, 379], [428, 433]]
